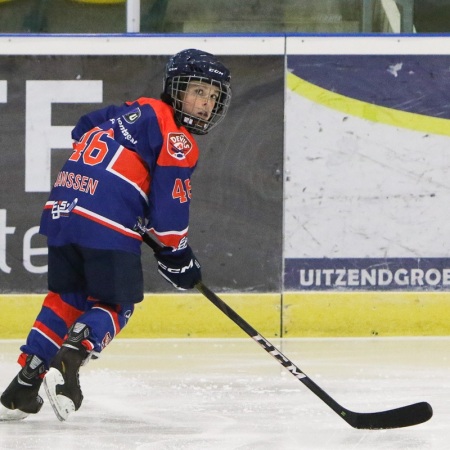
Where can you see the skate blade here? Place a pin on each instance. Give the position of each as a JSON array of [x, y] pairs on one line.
[[62, 405], [7, 414]]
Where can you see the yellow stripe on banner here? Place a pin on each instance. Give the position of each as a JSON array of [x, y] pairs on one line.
[[192, 315], [163, 316], [374, 113], [305, 314], [18, 313], [340, 314]]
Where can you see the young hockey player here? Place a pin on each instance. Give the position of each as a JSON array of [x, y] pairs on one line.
[[128, 162]]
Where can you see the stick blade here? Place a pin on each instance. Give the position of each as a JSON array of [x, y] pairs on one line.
[[405, 416]]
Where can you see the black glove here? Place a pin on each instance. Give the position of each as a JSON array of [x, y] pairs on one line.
[[183, 270]]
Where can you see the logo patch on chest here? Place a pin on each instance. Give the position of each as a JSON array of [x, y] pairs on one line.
[[178, 145]]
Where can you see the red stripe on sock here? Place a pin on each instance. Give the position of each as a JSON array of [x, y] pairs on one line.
[[46, 331], [63, 310], [22, 359]]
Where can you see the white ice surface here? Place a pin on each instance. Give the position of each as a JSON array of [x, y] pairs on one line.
[[230, 394]]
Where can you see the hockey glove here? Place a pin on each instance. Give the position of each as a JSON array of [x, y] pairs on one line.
[[183, 271]]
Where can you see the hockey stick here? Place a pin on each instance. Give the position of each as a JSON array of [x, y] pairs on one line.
[[393, 418]]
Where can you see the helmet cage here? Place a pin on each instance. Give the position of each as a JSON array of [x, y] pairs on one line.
[[177, 86]]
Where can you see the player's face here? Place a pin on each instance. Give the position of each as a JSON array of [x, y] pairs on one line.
[[199, 99]]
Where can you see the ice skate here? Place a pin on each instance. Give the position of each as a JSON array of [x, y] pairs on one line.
[[21, 397], [61, 381]]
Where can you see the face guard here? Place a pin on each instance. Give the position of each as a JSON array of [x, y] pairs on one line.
[[195, 123], [195, 66]]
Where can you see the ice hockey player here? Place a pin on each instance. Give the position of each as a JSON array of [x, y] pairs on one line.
[[128, 161]]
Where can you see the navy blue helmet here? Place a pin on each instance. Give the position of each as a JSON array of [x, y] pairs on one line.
[[194, 66]]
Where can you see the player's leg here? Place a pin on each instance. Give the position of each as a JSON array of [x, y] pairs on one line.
[[86, 338], [112, 277], [44, 340], [22, 397], [47, 334]]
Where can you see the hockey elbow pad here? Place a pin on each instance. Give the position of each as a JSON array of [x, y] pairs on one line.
[[182, 271]]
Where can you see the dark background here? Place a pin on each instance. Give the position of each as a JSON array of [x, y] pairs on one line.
[[236, 211]]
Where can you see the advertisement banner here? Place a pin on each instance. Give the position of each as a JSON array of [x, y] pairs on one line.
[[371, 274], [237, 187], [366, 188]]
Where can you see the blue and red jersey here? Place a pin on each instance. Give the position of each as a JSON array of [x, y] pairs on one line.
[[128, 161]]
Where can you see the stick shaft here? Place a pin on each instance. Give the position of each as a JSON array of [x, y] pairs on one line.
[[271, 349]]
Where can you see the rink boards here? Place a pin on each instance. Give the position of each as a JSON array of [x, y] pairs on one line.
[[332, 204]]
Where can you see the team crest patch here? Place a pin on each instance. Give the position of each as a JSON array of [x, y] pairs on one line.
[[178, 145]]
